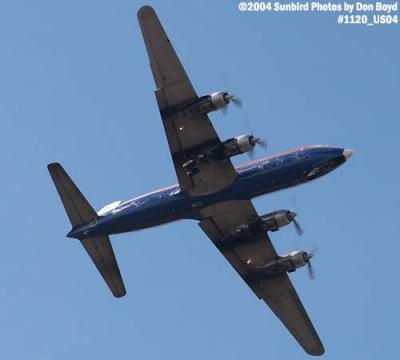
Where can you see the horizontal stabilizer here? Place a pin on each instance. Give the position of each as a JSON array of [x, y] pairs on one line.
[[81, 212], [77, 207], [101, 252]]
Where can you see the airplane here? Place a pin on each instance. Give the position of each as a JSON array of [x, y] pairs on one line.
[[210, 190]]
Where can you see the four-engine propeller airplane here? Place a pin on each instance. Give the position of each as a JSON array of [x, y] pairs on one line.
[[211, 190]]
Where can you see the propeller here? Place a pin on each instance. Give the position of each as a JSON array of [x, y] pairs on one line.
[[261, 142], [310, 269], [229, 98], [257, 141], [298, 228], [307, 259], [238, 102], [292, 217]]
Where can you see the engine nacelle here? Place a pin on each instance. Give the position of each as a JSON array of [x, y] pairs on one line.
[[296, 259], [227, 149], [270, 222], [277, 219], [245, 143], [202, 105], [239, 145], [289, 262], [231, 147], [219, 99]]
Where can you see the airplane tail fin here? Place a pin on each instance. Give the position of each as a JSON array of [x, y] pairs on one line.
[[79, 212], [77, 207]]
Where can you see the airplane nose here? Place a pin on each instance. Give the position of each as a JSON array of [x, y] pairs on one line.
[[347, 153]]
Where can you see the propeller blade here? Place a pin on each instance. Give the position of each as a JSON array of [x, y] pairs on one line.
[[256, 141], [311, 273], [230, 98], [237, 102], [314, 249], [262, 143], [251, 153], [298, 228]]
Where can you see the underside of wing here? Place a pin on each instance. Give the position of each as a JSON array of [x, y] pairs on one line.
[[247, 256], [186, 137], [188, 133], [167, 69], [280, 295]]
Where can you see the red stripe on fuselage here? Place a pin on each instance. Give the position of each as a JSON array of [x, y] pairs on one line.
[[282, 153]]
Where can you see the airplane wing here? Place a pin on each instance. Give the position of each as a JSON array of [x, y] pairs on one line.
[[184, 133], [278, 292]]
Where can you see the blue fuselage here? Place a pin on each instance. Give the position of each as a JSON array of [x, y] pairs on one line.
[[255, 178]]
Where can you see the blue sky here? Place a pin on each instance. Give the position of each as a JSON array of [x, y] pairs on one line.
[[76, 88]]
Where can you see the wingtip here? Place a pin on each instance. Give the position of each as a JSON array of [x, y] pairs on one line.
[[120, 295], [53, 165], [145, 10], [316, 351]]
